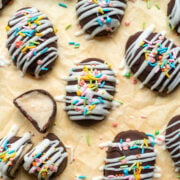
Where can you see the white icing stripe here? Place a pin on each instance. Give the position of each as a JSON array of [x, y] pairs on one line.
[[53, 156], [85, 9], [132, 57], [101, 98], [13, 150], [1, 5], [118, 164], [172, 141], [174, 17], [19, 23]]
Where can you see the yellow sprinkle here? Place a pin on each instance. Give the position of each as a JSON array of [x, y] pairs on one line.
[[7, 28], [39, 34], [79, 93], [146, 56], [29, 24], [21, 34], [95, 1], [100, 10], [142, 43], [146, 143], [40, 18], [167, 74], [37, 22], [24, 49], [85, 69], [55, 30]]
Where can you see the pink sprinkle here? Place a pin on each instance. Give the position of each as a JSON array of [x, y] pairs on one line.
[[123, 161], [127, 23], [110, 4], [128, 140], [143, 117], [114, 124], [39, 62], [108, 29], [125, 148], [134, 81], [161, 37]]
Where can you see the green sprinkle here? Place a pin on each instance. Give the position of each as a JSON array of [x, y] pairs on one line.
[[148, 4], [122, 157], [77, 45], [144, 26], [157, 6], [125, 166], [128, 75], [156, 132], [88, 140], [63, 5], [68, 26]]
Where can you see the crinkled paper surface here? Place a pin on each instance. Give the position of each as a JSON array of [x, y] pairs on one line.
[[142, 109]]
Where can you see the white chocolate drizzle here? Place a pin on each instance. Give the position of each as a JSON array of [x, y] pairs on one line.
[[133, 54], [174, 16], [10, 152], [26, 40], [172, 141], [104, 10], [45, 159], [93, 98]]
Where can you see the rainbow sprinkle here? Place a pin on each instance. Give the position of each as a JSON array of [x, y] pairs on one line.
[[159, 56]]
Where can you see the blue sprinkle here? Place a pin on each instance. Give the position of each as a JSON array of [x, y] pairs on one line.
[[146, 167], [76, 101], [44, 50], [99, 22], [142, 151], [44, 69], [102, 84], [134, 147], [125, 172], [85, 112], [16, 31], [99, 75], [108, 20], [101, 100], [121, 141], [37, 155], [152, 64]]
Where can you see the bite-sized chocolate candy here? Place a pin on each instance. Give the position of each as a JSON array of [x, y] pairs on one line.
[[100, 17], [12, 151], [131, 155], [32, 42], [39, 107], [174, 15], [46, 160], [172, 140], [3, 3], [154, 60], [90, 90]]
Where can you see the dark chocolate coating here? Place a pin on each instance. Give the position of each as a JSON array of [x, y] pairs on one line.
[[170, 143], [149, 68], [33, 121], [4, 3], [95, 15], [52, 53], [62, 166], [115, 152], [169, 10], [109, 83]]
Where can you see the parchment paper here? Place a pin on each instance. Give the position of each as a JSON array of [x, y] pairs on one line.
[[142, 109]]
